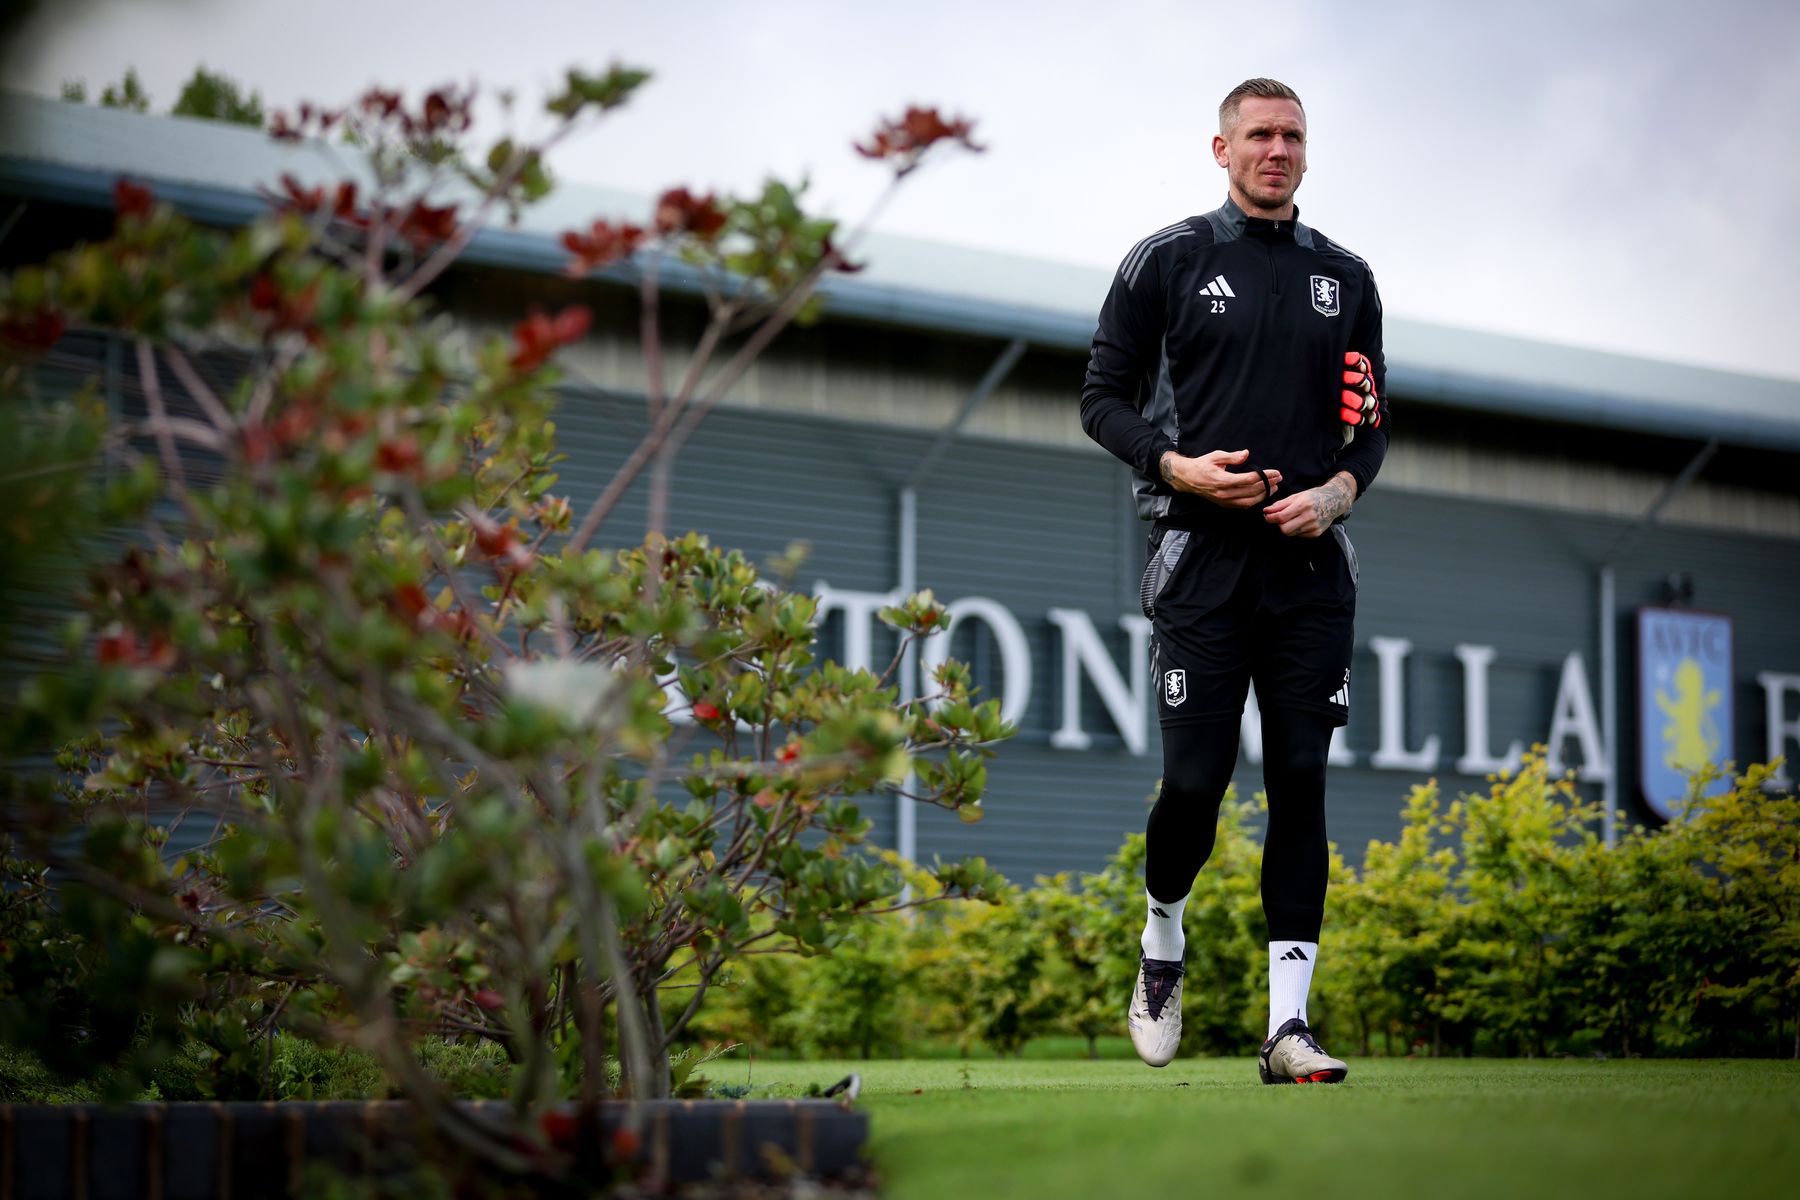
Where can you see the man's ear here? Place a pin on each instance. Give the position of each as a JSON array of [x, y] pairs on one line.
[[1221, 154]]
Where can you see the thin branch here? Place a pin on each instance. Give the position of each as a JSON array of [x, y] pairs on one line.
[[452, 247], [203, 395], [440, 557], [264, 395], [165, 441]]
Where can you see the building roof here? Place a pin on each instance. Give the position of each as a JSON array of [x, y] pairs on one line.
[[72, 153]]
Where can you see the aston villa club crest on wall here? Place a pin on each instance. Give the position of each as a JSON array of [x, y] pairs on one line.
[[1684, 702], [1325, 294]]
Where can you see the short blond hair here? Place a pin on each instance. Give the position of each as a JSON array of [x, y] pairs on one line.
[[1267, 89]]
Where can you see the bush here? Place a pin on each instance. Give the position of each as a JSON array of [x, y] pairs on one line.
[[1496, 923], [441, 768]]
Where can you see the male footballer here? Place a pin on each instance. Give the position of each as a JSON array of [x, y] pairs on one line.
[[1237, 369]]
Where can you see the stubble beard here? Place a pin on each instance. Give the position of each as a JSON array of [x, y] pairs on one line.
[[1267, 198]]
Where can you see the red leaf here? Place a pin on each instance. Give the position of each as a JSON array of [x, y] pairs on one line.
[[489, 999], [400, 455], [559, 1128], [122, 648], [905, 140], [681, 211], [378, 102], [294, 424], [538, 336], [299, 197], [264, 296], [344, 207], [425, 223], [35, 331], [602, 244], [117, 648], [437, 110], [494, 539], [132, 200], [706, 712], [410, 599]]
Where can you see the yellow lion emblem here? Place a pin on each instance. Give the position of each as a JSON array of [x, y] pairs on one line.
[[1691, 736]]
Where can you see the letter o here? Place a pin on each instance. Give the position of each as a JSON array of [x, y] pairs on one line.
[[1015, 651]]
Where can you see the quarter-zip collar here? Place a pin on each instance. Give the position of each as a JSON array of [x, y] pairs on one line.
[[1230, 223]]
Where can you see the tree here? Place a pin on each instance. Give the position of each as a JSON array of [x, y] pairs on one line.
[[128, 93], [217, 97], [207, 95], [466, 775]]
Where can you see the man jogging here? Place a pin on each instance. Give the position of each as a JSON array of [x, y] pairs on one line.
[[1238, 370]]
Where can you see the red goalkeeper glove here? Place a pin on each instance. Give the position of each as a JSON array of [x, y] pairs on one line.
[[1358, 404]]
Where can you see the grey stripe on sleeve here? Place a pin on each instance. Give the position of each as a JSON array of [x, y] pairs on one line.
[[1131, 276], [1144, 247]]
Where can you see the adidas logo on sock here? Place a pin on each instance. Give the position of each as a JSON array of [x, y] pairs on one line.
[[1159, 912], [1218, 287], [1295, 955]]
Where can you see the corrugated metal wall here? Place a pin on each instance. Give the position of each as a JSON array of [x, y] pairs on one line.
[[1038, 527]]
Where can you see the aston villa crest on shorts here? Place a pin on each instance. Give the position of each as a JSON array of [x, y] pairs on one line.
[[1174, 687], [1325, 294]]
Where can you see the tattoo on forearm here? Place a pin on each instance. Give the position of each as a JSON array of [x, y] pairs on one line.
[[1165, 464], [1332, 499]]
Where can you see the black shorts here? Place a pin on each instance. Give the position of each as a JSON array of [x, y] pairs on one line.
[[1227, 611]]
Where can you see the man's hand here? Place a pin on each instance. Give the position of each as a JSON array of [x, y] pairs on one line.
[[1311, 513], [1358, 405], [1211, 476]]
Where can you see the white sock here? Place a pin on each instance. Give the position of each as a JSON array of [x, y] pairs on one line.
[[1290, 979], [1162, 929]]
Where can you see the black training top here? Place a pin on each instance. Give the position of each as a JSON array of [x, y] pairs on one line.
[[1228, 332]]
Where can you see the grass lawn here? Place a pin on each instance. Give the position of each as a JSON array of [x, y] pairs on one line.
[[1397, 1127]]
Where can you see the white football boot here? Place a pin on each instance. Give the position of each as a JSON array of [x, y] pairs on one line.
[[1155, 1013], [1294, 1056]]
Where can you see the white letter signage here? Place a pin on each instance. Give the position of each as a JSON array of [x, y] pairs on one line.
[[1083, 651]]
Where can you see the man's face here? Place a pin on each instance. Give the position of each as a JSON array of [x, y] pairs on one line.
[[1264, 155]]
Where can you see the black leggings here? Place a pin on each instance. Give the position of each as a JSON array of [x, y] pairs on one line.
[[1198, 759]]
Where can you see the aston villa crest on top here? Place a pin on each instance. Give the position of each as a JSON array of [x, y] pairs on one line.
[[1325, 294]]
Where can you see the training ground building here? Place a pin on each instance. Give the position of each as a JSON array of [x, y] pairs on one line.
[[1586, 550]]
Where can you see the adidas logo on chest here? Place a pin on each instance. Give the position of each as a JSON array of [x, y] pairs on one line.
[[1217, 292]]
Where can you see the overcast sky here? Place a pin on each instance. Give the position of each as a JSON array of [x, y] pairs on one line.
[[1620, 174]]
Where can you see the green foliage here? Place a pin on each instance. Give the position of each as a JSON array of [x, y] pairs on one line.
[[128, 93], [216, 97], [208, 95], [371, 747], [1494, 924], [55, 498], [1501, 924]]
